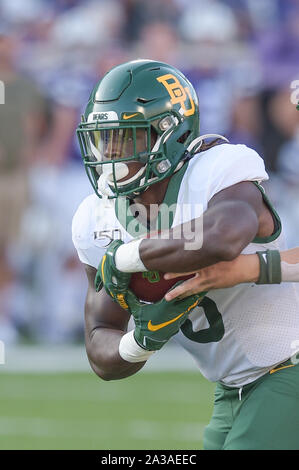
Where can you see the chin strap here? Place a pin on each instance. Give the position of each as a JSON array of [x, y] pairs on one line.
[[103, 186], [100, 212], [196, 144]]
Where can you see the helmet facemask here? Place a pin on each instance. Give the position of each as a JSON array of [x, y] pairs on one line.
[[126, 158]]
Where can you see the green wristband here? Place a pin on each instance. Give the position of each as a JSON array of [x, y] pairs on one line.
[[270, 268]]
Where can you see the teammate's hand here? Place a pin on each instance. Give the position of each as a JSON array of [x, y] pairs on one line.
[[114, 281], [156, 323], [245, 268]]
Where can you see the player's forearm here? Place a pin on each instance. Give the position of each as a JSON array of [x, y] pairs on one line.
[[226, 230], [247, 268], [102, 346], [261, 269], [170, 255], [290, 256], [290, 265]]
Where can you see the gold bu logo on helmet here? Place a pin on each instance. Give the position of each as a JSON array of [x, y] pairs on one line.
[[178, 93]]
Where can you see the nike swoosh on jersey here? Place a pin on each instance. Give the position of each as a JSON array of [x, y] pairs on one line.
[[129, 116], [152, 327]]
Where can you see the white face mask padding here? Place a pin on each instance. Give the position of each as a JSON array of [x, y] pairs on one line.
[[121, 171], [130, 180]]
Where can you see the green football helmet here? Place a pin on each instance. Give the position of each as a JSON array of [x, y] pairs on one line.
[[142, 115]]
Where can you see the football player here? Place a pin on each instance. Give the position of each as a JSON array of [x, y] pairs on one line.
[[142, 151]]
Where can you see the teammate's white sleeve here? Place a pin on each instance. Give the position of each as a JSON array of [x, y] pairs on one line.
[[289, 272], [290, 265]]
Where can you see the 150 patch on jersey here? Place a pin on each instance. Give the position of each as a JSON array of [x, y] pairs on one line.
[[107, 236]]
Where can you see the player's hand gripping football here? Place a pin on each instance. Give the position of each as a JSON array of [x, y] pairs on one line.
[[114, 281], [155, 323]]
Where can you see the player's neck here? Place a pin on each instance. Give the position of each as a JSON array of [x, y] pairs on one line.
[[154, 194]]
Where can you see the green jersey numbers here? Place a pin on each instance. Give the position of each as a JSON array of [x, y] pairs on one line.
[[214, 333]]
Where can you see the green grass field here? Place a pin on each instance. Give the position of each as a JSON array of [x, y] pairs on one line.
[[153, 410]]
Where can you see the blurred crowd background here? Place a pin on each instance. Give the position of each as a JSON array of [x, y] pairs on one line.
[[242, 57]]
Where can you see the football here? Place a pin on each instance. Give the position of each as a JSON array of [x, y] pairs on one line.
[[150, 286]]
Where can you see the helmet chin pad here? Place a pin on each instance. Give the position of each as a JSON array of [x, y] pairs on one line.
[[106, 182], [121, 171]]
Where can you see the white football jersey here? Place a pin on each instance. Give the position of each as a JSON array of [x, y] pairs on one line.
[[237, 334]]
